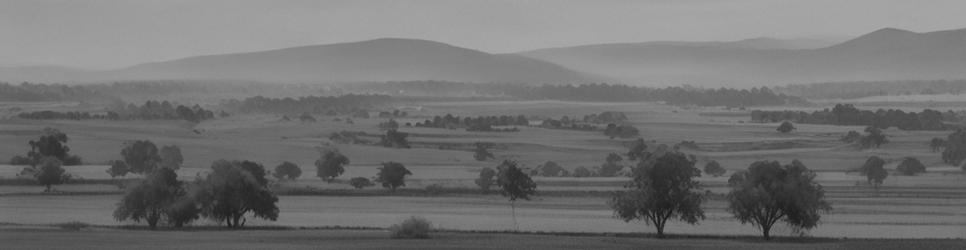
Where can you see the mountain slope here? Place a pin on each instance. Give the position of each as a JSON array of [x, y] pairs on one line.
[[373, 60], [887, 54]]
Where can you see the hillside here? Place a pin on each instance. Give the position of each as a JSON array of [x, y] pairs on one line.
[[373, 60], [886, 54]]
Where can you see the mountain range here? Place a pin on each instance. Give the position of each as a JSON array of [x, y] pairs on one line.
[[882, 55]]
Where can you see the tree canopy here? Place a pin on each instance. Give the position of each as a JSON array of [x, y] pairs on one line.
[[331, 165], [768, 192], [287, 171], [661, 191], [50, 172], [141, 156], [234, 189], [392, 175]]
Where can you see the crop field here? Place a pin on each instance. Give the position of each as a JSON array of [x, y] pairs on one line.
[[925, 206]]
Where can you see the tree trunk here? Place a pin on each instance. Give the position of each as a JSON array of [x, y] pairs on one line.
[[660, 230], [47, 189], [513, 212], [153, 220], [765, 229]]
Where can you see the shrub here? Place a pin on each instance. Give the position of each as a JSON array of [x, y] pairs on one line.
[[360, 182], [412, 228], [911, 166], [714, 168]]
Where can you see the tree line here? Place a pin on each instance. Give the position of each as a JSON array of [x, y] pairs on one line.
[[479, 123], [601, 92], [850, 90], [150, 110], [848, 114], [329, 105]]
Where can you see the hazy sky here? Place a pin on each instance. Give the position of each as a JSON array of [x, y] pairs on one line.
[[108, 34]]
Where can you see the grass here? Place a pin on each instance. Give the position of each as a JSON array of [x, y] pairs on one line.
[[380, 239]]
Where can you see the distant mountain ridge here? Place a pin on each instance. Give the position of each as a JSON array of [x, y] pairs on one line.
[[884, 55]]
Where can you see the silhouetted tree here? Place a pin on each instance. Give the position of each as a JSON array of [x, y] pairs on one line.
[[360, 182], [911, 166], [714, 169], [481, 153], [287, 170], [661, 191], [955, 151], [331, 165], [50, 172], [514, 184], [874, 171], [485, 180], [142, 157], [786, 127], [118, 168], [234, 189], [171, 157], [769, 192], [638, 150], [151, 198], [392, 175]]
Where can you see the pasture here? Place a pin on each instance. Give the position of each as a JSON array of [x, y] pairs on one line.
[[925, 206]]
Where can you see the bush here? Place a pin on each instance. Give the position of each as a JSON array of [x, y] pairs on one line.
[[911, 166], [360, 182], [412, 228]]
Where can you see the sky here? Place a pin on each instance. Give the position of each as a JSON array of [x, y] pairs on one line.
[[107, 34]]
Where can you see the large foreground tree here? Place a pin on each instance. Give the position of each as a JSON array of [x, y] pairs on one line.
[[769, 192], [234, 189], [661, 191], [149, 200]]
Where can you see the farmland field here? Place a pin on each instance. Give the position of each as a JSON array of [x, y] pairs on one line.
[[925, 206]]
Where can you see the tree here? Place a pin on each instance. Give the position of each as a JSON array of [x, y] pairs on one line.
[[481, 153], [661, 191], [150, 200], [936, 144], [485, 180], [874, 171], [171, 157], [234, 189], [786, 127], [611, 166], [392, 175], [911, 166], [360, 182], [769, 192], [550, 169], [874, 138], [638, 150], [141, 156], [955, 150], [50, 172], [514, 184], [395, 139], [582, 172], [621, 131], [118, 168], [52, 143], [331, 165], [714, 169], [287, 170]]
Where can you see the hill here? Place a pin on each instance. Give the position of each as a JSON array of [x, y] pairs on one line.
[[886, 54]]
